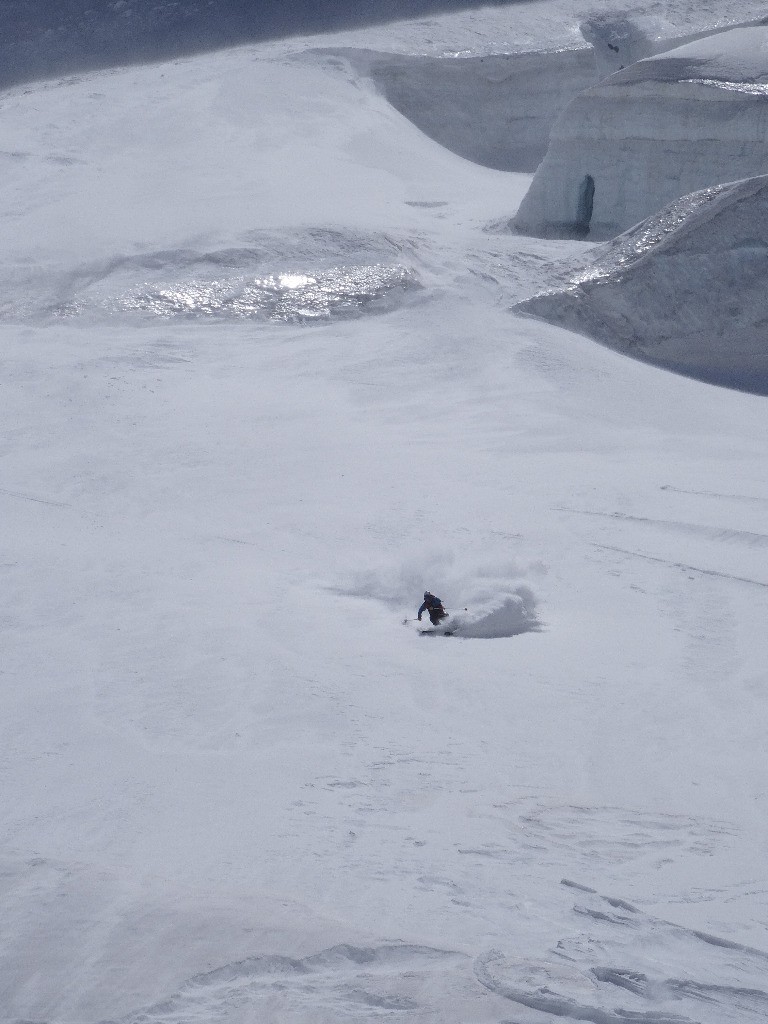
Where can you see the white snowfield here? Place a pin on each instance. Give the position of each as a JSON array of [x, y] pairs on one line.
[[668, 125], [684, 289], [261, 387]]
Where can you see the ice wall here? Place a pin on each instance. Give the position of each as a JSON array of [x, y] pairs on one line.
[[496, 110], [666, 126], [685, 289]]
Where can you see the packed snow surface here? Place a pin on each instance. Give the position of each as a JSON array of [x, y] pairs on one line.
[[261, 387], [684, 289], [665, 126]]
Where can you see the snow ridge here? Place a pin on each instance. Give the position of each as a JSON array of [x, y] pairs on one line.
[[656, 292]]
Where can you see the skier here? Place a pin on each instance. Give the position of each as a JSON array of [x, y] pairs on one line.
[[434, 606]]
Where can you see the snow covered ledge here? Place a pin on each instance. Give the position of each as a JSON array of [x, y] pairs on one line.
[[685, 289], [666, 126]]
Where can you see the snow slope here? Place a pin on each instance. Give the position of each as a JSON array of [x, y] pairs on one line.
[[261, 387], [684, 289], [668, 125]]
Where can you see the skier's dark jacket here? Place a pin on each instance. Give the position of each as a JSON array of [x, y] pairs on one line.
[[430, 602]]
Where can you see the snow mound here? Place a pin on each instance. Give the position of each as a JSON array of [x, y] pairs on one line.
[[666, 126], [494, 109], [684, 289]]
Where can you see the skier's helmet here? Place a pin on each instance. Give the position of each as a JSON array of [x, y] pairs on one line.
[[427, 594]]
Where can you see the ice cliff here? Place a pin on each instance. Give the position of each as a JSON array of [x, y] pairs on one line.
[[685, 289], [494, 109], [666, 126]]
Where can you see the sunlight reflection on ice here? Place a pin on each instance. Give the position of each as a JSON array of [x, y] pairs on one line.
[[750, 88], [340, 292], [630, 246], [295, 280]]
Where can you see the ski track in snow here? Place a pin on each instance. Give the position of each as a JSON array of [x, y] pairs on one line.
[[751, 499], [685, 567], [713, 533]]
